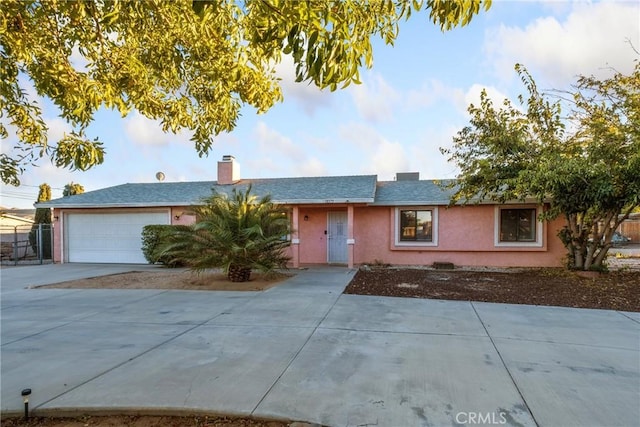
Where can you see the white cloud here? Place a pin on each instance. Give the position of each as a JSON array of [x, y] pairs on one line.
[[426, 156], [359, 134], [389, 158], [279, 155], [320, 143], [144, 131], [264, 167], [272, 142], [306, 94], [592, 38], [557, 6], [310, 167], [375, 153], [57, 129], [436, 93], [375, 99], [472, 96], [430, 93]]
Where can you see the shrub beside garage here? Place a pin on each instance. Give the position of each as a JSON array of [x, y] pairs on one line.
[[154, 238]]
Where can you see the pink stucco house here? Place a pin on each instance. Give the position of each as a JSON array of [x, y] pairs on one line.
[[348, 220]]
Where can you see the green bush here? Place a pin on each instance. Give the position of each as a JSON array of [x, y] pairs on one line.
[[153, 239]]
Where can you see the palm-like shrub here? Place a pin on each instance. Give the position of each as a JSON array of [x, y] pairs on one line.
[[238, 233]]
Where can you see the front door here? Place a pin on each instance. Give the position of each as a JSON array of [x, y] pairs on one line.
[[337, 238]]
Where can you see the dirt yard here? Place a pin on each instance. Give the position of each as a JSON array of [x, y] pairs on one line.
[[617, 290], [174, 279], [143, 421]]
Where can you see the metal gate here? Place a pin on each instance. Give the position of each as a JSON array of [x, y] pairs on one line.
[[28, 244]]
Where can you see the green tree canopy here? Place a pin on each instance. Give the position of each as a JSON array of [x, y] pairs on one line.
[[190, 65], [44, 193], [72, 188], [584, 165]]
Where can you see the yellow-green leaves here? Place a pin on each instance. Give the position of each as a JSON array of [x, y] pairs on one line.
[[188, 64], [452, 13], [76, 152], [587, 172], [72, 188]]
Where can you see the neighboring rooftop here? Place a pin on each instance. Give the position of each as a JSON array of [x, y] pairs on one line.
[[28, 214]]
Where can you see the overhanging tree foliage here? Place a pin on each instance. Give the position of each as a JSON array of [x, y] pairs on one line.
[[238, 233], [190, 65], [586, 165]]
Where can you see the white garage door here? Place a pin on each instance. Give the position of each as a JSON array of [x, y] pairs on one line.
[[108, 237]]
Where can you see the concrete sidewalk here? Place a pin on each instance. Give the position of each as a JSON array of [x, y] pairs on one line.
[[304, 351]]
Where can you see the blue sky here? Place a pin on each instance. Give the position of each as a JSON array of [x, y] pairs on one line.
[[410, 103]]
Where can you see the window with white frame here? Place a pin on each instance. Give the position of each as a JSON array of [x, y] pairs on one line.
[[518, 226], [416, 226]]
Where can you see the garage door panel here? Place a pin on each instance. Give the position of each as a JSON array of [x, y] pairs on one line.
[[108, 237]]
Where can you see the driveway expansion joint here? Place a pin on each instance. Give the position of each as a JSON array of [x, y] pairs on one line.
[[317, 326], [129, 360], [579, 344], [628, 317], [504, 364], [380, 331], [118, 365]]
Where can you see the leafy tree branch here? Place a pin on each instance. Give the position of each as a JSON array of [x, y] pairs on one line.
[[584, 167], [188, 64]]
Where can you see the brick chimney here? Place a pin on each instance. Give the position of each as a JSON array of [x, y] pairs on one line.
[[228, 170]]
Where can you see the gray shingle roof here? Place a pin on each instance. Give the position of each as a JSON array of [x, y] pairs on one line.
[[412, 193], [307, 190], [336, 189]]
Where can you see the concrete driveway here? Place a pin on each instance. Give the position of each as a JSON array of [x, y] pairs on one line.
[[304, 351]]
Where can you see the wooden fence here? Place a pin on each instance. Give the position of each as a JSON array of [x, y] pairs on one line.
[[631, 228]]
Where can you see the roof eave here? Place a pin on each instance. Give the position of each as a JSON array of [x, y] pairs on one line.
[[112, 205], [411, 203], [323, 201], [170, 204], [528, 201]]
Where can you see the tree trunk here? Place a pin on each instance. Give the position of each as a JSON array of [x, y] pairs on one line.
[[599, 259], [239, 274], [574, 241], [578, 261]]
